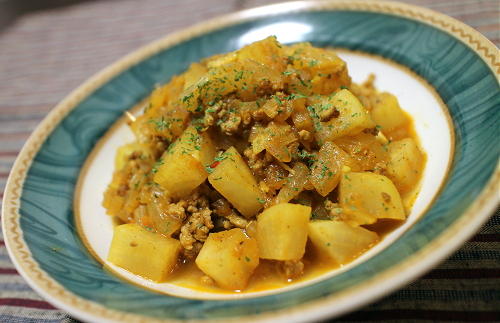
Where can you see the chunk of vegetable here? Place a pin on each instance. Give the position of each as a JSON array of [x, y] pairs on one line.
[[326, 170], [233, 179], [180, 175], [340, 241], [275, 138], [143, 253], [229, 258], [195, 72], [366, 150], [162, 117], [282, 231], [278, 108], [197, 144], [387, 113], [352, 116], [162, 95], [324, 70], [405, 160], [370, 194], [275, 177], [241, 77], [124, 152], [181, 168], [356, 218], [300, 116], [267, 52], [294, 184], [163, 222]]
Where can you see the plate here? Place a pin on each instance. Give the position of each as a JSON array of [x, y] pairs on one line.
[[451, 65]]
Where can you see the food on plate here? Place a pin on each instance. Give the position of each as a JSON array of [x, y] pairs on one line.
[[263, 163]]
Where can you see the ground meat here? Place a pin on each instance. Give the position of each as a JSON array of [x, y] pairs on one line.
[[329, 205], [195, 211], [196, 228], [334, 209], [198, 200], [237, 220], [226, 115], [211, 115], [231, 125], [177, 210], [292, 268], [226, 224], [193, 252], [257, 162]]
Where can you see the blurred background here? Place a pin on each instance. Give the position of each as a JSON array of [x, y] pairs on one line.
[[49, 47]]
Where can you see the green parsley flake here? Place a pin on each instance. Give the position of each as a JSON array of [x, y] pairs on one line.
[[277, 99], [161, 124], [187, 97], [238, 76], [223, 156], [156, 165]]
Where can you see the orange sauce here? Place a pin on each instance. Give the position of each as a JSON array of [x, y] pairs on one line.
[[268, 275]]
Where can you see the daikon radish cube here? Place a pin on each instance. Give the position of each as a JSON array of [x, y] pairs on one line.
[[372, 194], [233, 179], [340, 241], [229, 257], [143, 253], [282, 231]]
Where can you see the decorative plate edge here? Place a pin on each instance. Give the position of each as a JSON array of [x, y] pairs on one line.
[[436, 251]]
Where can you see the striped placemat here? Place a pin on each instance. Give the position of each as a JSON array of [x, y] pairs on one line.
[[47, 51]]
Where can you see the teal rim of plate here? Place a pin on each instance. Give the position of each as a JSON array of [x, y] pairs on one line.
[[463, 80]]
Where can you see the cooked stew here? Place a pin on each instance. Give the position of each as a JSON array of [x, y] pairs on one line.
[[263, 162]]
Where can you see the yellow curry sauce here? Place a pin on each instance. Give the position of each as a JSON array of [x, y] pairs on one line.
[[268, 275]]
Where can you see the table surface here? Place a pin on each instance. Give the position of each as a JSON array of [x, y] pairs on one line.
[[46, 52]]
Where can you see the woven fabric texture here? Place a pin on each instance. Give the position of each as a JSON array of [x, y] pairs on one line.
[[47, 51]]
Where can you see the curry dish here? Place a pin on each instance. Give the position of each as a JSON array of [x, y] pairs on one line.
[[264, 162]]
